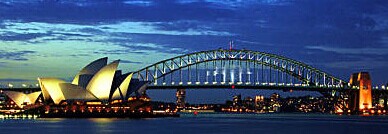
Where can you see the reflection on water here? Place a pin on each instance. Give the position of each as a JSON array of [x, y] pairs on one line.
[[206, 123], [104, 125], [53, 120], [102, 120]]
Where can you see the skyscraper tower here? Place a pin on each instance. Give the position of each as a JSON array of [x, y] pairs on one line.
[[180, 98]]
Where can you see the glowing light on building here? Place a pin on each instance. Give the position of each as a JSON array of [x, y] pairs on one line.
[[21, 98], [99, 87], [224, 74], [240, 74], [232, 75], [51, 89], [10, 85], [123, 87], [101, 83], [91, 69], [365, 100]]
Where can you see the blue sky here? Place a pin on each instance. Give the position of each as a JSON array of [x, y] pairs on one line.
[[56, 38]]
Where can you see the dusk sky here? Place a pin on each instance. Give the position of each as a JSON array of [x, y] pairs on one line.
[[56, 38]]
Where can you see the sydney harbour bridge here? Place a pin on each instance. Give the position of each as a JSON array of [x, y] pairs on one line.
[[245, 69], [238, 68]]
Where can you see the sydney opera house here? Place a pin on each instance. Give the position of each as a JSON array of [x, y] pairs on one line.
[[98, 83]]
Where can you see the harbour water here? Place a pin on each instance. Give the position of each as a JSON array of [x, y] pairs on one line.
[[206, 123]]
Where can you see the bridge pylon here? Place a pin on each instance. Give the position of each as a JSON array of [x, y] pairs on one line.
[[362, 100]]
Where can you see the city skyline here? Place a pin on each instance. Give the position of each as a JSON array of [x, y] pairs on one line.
[[40, 37]]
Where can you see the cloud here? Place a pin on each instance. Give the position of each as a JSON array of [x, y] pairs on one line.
[[139, 2], [93, 30], [5, 5], [3, 64], [15, 55], [159, 28], [358, 65], [118, 52], [80, 55], [21, 37], [84, 11], [128, 46], [355, 51], [165, 43], [14, 80], [253, 43], [38, 32], [130, 62]]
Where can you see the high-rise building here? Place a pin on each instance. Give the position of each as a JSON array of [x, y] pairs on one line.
[[249, 103], [180, 98], [259, 102], [237, 100], [275, 103], [274, 97]]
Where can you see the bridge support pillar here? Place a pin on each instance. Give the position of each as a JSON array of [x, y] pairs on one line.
[[364, 96], [180, 99]]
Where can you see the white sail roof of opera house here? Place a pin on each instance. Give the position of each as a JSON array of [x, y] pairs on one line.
[[123, 88], [101, 83], [91, 69], [74, 92], [98, 88], [20, 98], [51, 89]]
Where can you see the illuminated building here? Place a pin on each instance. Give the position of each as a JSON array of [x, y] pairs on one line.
[[21, 99], [97, 81], [275, 103], [381, 103], [89, 70], [180, 98], [2, 99], [237, 100], [248, 102], [259, 102], [274, 97]]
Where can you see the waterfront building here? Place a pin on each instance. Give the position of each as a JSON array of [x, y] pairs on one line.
[[180, 101], [249, 103], [259, 102], [274, 103], [2, 99], [96, 81], [22, 99], [237, 100]]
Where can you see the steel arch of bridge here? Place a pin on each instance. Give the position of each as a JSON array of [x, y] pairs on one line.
[[306, 75]]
